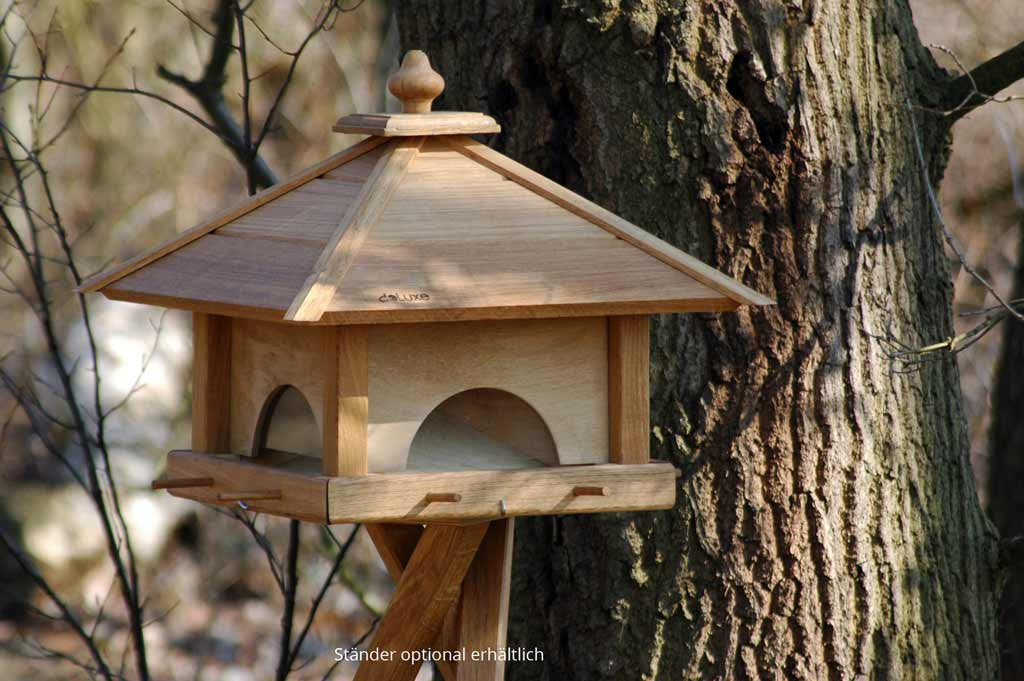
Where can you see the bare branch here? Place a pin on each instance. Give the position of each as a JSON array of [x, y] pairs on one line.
[[325, 19], [355, 644], [937, 209], [76, 626], [191, 19], [339, 558], [291, 583], [111, 521], [208, 92], [243, 57], [263, 542], [41, 431], [979, 85]]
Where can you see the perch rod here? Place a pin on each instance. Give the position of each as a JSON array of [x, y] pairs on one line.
[[180, 483]]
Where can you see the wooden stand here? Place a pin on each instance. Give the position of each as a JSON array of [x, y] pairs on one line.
[[452, 595]]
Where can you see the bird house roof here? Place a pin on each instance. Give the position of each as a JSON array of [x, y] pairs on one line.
[[419, 224]]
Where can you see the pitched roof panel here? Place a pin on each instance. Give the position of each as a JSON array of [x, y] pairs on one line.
[[457, 235], [241, 275], [447, 229]]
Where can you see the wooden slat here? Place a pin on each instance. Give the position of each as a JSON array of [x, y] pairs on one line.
[[309, 213], [302, 489], [621, 228], [227, 309], [318, 291], [211, 384], [102, 279], [538, 491], [483, 607], [426, 592], [222, 272], [629, 389], [181, 483], [358, 169], [346, 402]]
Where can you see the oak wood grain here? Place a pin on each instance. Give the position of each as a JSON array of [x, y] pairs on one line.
[[428, 588], [483, 607], [303, 491], [621, 228], [341, 251], [537, 491], [346, 402], [102, 279], [211, 383], [629, 393]]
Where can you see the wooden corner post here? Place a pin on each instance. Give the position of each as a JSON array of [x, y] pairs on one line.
[[346, 402], [629, 366], [211, 383]]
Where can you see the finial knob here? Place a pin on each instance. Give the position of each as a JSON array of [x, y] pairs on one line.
[[416, 83]]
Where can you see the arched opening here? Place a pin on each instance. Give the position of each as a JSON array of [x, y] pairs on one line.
[[287, 426], [482, 429]]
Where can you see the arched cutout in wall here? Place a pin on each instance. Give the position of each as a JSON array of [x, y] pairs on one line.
[[482, 429], [287, 425]]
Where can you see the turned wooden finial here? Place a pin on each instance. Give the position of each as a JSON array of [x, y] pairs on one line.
[[416, 83]]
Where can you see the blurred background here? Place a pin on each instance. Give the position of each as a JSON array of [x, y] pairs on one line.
[[130, 171]]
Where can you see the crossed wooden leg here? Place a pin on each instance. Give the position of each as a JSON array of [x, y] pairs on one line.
[[452, 594]]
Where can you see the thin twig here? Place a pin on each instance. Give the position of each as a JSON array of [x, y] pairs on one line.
[[979, 85], [76, 626], [264, 543], [355, 644], [288, 615], [208, 93], [339, 558], [950, 240]]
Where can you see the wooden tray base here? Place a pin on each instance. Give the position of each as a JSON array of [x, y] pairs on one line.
[[295, 488]]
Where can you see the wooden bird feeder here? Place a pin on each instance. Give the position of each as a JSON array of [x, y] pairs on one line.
[[425, 336]]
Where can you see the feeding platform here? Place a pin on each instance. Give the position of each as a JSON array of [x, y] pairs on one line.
[[423, 335]]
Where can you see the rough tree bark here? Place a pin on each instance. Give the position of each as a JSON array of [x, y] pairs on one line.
[[1005, 489], [827, 526]]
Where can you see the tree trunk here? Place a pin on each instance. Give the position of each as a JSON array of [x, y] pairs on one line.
[[1005, 487], [827, 524]]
